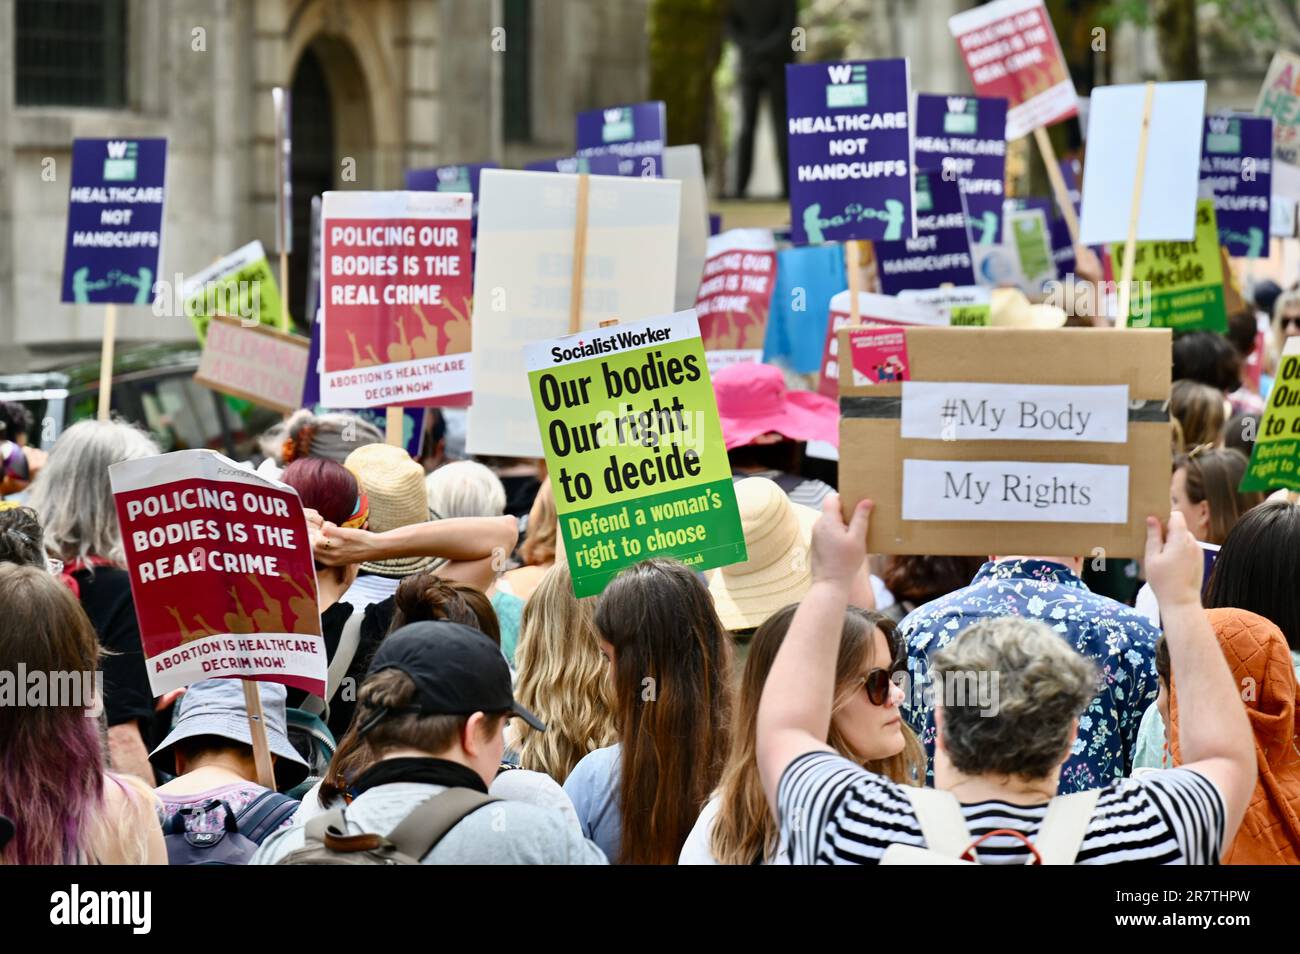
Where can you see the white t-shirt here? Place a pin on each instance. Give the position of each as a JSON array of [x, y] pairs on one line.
[[698, 848]]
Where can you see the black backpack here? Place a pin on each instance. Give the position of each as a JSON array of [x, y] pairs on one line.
[[236, 843]]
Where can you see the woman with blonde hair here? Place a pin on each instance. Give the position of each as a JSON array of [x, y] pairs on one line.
[[736, 827], [66, 807], [1286, 324], [562, 677], [539, 547], [1197, 412]]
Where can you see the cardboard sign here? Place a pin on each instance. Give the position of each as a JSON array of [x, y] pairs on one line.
[[1011, 51], [115, 218], [1056, 495], [686, 165], [1279, 98], [241, 285], [1028, 234], [634, 448], [963, 137], [1184, 279], [221, 572], [572, 165], [1281, 216], [877, 356], [254, 363], [396, 296], [1275, 458], [523, 280], [1237, 169], [874, 311], [1171, 173], [961, 305], [635, 134], [940, 254], [735, 296], [850, 151]]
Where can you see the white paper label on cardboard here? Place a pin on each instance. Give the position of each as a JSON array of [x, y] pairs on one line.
[[974, 411], [1015, 491]]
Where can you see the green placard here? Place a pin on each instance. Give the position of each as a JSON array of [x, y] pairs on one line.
[[1033, 244], [240, 285], [634, 449], [1275, 458], [1179, 285]]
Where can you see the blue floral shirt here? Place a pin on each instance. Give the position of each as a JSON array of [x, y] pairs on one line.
[[1120, 640]]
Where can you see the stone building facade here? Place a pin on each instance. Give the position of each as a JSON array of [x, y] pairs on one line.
[[379, 86]]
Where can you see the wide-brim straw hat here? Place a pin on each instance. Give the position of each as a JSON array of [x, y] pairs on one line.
[[778, 571], [1009, 308], [394, 486]]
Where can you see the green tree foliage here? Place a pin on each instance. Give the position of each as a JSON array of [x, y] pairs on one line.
[[685, 46]]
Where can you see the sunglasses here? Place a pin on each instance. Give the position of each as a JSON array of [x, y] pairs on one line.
[[879, 686], [1290, 321]]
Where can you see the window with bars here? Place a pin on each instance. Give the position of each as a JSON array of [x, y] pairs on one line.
[[517, 109], [70, 52]]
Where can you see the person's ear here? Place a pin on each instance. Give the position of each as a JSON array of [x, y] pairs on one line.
[[1069, 745], [471, 737], [1202, 520]]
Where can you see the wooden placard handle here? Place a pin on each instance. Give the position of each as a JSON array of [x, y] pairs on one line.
[[1135, 209], [579, 254], [257, 728], [106, 363]]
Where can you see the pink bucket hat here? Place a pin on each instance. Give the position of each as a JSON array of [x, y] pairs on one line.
[[753, 400]]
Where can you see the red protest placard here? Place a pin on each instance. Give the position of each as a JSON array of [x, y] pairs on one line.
[[396, 296], [735, 296], [1011, 51], [221, 572], [878, 356]]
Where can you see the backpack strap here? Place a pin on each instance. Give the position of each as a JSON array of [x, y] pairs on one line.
[[942, 823], [264, 815], [344, 653], [418, 833], [1064, 826]]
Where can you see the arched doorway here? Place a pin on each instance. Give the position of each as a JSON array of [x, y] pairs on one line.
[[312, 127], [332, 125]]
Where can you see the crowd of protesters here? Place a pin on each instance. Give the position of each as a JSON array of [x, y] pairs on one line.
[[768, 712]]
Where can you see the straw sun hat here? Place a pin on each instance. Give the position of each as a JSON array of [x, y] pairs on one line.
[[394, 486], [777, 573], [1009, 308]]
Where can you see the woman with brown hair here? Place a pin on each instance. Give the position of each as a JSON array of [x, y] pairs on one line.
[[736, 826], [66, 807], [670, 660], [1204, 488], [563, 678]]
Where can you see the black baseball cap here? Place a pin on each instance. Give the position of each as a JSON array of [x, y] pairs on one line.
[[456, 670]]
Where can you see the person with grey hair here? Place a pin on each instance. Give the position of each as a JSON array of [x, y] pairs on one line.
[[465, 488], [74, 500], [999, 757]]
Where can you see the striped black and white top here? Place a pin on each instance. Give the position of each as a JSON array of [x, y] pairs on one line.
[[835, 812]]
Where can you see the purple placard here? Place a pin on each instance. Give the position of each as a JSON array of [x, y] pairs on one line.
[[1237, 167], [115, 217], [595, 165], [1062, 248], [462, 178], [941, 251], [715, 223], [850, 151], [1073, 176], [964, 136], [636, 134]]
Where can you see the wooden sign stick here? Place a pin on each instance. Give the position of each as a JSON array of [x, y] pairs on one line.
[[284, 289], [1130, 246], [106, 363], [257, 728], [579, 254], [1048, 152], [853, 251], [394, 426]]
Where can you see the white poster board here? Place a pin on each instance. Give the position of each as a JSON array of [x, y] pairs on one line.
[[523, 277], [686, 165], [1172, 170]]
